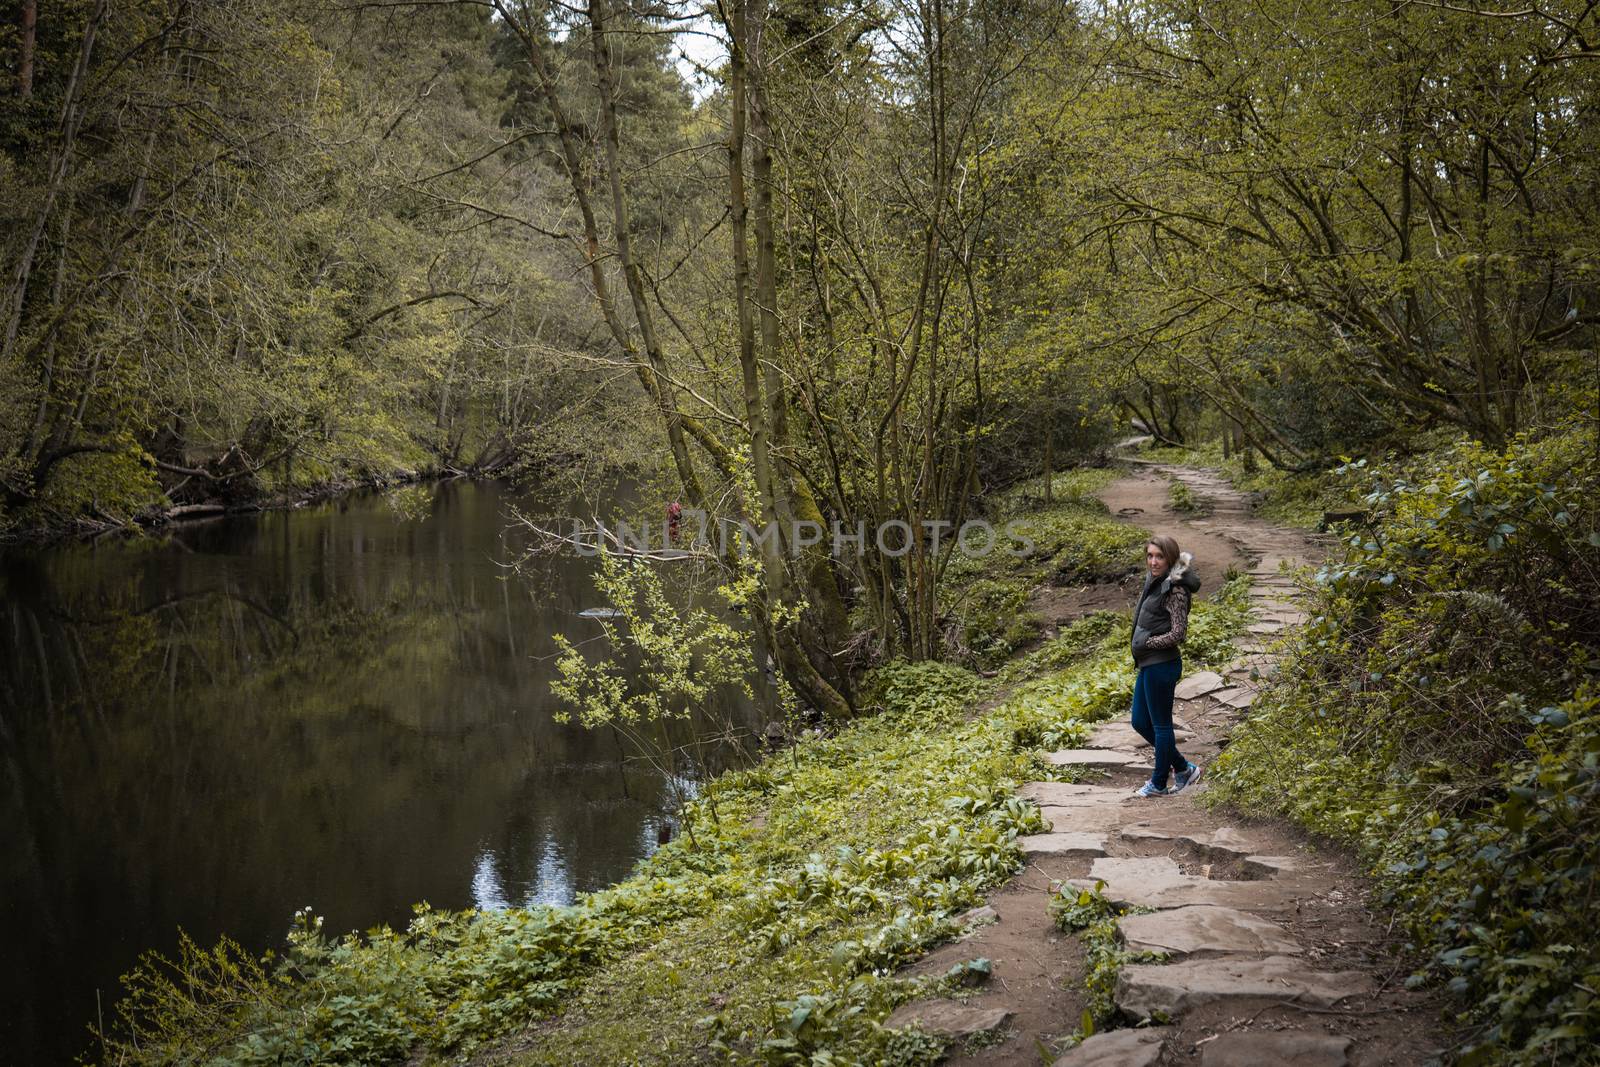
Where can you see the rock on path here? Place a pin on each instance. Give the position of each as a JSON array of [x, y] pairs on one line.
[[1155, 990]]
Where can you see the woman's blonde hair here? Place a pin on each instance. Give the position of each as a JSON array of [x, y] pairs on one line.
[[1168, 546]]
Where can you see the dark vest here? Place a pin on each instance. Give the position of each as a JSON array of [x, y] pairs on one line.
[[1151, 617]]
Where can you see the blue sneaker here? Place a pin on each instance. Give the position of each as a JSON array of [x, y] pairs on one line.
[[1188, 777], [1150, 789]]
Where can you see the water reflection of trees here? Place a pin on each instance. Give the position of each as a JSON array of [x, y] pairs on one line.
[[347, 717]]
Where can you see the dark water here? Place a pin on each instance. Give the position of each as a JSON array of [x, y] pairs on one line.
[[344, 707]]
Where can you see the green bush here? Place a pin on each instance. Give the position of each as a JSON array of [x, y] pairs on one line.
[[1438, 713], [994, 619]]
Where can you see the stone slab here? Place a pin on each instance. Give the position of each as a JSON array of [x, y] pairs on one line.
[[1068, 806], [1204, 928], [1066, 843], [1241, 697], [1265, 628], [1224, 839], [1198, 685], [1157, 882], [1118, 1048], [1175, 988], [1285, 616], [1096, 820], [1071, 794], [1123, 737], [947, 1018], [1086, 757], [1273, 1048]]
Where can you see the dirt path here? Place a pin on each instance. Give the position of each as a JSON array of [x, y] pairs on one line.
[[1273, 955]]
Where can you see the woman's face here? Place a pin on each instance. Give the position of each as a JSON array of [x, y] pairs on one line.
[[1155, 561]]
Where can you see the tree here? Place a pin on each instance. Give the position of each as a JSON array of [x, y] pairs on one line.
[[1399, 215]]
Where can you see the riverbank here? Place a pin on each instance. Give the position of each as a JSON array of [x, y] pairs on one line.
[[97, 524], [344, 704]]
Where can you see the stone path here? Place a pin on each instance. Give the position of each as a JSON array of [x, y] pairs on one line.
[[1271, 956]]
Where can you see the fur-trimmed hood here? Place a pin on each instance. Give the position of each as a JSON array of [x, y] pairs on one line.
[[1183, 573]]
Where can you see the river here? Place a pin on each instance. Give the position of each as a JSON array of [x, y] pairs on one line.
[[344, 706]]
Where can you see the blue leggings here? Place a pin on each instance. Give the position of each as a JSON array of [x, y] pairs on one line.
[[1152, 716]]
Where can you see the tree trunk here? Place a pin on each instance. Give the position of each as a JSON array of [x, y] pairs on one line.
[[765, 412], [25, 49], [1049, 455], [60, 167], [599, 23]]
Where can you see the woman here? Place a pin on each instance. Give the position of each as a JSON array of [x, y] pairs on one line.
[[1160, 623]]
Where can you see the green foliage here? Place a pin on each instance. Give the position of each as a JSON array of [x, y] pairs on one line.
[[818, 1029], [1089, 913], [994, 619], [1076, 487], [1183, 500], [1439, 710], [1082, 544], [669, 659], [1070, 645], [320, 286], [927, 691], [1247, 224]]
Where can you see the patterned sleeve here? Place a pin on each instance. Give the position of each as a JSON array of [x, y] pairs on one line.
[[1178, 608]]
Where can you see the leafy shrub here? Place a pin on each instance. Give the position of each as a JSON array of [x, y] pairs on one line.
[[993, 619], [1408, 712], [1070, 646], [1082, 545]]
